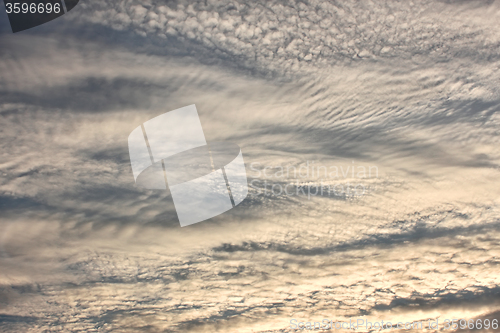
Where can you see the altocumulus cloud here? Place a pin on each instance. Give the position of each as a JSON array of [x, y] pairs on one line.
[[411, 87]]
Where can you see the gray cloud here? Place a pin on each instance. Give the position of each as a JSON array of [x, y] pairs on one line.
[[410, 88]]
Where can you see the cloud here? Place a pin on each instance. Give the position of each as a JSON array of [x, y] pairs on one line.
[[411, 89], [292, 37]]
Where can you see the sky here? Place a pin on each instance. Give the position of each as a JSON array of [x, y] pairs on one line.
[[383, 117]]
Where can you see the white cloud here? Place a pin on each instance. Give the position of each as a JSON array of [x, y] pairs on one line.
[[409, 88]]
